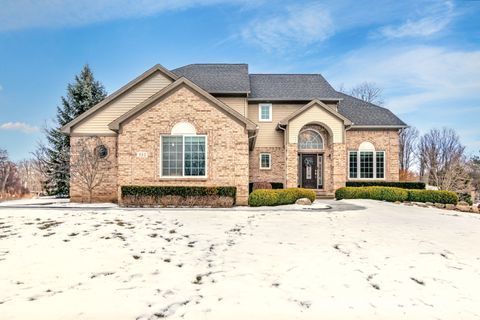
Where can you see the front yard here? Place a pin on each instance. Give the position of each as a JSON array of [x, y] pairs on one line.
[[361, 259]]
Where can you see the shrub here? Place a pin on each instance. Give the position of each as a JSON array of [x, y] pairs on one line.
[[261, 185], [465, 197], [396, 184], [434, 196], [263, 197], [178, 196], [376, 193], [396, 194]]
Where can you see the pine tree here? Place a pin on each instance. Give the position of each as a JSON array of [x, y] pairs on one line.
[[81, 95]]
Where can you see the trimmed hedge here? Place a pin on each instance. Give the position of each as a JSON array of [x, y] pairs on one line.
[[376, 193], [397, 194], [182, 191], [395, 184], [434, 196], [276, 197]]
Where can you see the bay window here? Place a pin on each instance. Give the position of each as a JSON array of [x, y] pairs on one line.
[[366, 163]]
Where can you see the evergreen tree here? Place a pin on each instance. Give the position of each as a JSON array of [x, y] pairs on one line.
[[82, 94]]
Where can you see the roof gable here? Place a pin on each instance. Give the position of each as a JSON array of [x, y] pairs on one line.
[[309, 105], [112, 97], [115, 125]]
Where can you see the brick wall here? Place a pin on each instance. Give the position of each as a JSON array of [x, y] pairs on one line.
[[107, 190], [227, 140], [277, 171], [383, 140]]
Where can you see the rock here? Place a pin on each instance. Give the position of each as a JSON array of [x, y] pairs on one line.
[[475, 209], [439, 205], [429, 204], [462, 203], [421, 204], [303, 202], [450, 206], [397, 202], [408, 203], [463, 208]]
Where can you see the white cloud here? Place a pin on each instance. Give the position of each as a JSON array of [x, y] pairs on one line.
[[413, 76], [19, 126], [434, 19], [20, 14], [300, 25]]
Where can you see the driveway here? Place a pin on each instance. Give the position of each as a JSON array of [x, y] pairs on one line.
[[359, 259]]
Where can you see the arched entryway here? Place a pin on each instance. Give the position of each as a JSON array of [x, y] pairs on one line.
[[312, 144]]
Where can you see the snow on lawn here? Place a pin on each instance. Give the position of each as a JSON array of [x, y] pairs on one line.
[[361, 260]]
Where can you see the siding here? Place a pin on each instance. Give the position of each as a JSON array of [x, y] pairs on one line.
[[268, 136], [316, 113], [98, 122], [238, 104]]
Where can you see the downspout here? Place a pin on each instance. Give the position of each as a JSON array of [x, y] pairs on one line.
[[285, 150]]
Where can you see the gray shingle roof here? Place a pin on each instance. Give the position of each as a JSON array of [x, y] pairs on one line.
[[217, 78], [291, 87], [363, 113]]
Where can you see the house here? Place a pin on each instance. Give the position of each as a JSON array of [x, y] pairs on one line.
[[219, 125]]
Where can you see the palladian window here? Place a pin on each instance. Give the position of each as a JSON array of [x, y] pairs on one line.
[[366, 163], [183, 152], [310, 140]]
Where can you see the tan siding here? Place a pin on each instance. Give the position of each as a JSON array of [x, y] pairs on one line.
[[237, 103], [316, 113], [268, 136], [98, 122]]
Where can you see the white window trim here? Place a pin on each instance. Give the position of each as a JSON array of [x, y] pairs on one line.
[[183, 176], [260, 105], [374, 164], [269, 161]]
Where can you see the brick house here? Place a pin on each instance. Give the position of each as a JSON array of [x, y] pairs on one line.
[[218, 125]]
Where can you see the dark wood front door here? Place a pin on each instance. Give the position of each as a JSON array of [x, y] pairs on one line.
[[309, 171]]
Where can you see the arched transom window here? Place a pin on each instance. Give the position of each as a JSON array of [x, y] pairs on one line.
[[310, 140]]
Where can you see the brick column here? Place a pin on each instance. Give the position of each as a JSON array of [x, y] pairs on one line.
[[339, 159], [291, 165]]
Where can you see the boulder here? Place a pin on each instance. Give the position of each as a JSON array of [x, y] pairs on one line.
[[439, 205], [463, 208], [475, 209], [429, 204], [303, 202], [462, 203], [450, 206]]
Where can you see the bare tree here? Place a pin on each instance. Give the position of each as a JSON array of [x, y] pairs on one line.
[[408, 146], [369, 92], [40, 160], [30, 177], [89, 164], [5, 168], [442, 160]]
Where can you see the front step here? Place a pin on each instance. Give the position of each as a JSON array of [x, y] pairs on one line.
[[321, 194]]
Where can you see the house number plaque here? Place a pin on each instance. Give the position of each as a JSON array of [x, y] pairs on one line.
[[142, 154]]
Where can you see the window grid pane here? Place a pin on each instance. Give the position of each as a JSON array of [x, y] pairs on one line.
[[265, 112], [380, 162], [309, 140], [366, 164], [265, 161], [194, 156], [353, 164], [172, 149]]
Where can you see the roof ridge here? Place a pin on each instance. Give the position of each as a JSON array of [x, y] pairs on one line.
[[286, 74], [214, 64], [363, 101]]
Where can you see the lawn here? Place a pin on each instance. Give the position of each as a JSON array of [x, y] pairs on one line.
[[361, 259]]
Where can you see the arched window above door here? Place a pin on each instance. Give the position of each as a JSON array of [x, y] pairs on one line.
[[310, 140]]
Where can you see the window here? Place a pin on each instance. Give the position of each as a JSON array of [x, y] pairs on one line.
[[366, 163], [265, 161], [310, 140], [265, 112], [102, 151], [184, 156]]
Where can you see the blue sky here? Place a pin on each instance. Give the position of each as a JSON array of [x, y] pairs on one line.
[[424, 54]]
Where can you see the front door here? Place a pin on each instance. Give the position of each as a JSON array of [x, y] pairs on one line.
[[309, 171]]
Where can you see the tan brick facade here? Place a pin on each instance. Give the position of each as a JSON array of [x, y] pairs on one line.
[[107, 191], [383, 140], [227, 144], [277, 171]]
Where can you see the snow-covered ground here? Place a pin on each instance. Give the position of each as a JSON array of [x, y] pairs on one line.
[[359, 260]]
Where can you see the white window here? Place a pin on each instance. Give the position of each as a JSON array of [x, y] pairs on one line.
[[366, 163], [265, 112], [184, 153], [265, 161], [310, 140]]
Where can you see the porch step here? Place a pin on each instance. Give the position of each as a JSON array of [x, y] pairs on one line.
[[324, 195]]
